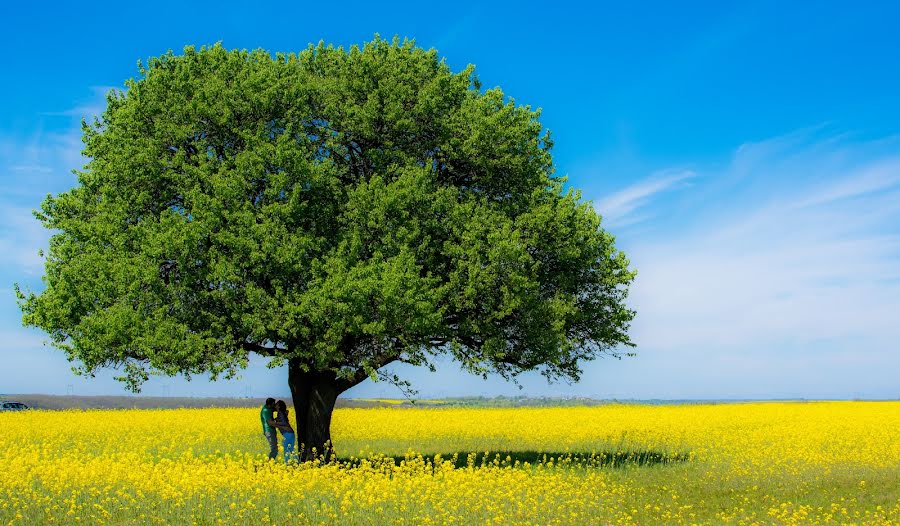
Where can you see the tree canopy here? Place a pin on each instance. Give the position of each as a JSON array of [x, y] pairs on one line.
[[335, 209]]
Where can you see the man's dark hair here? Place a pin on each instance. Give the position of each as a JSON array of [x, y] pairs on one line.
[[270, 401]]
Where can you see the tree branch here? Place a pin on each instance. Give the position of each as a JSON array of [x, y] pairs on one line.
[[262, 349]]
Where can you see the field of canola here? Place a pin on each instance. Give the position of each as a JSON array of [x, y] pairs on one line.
[[763, 463]]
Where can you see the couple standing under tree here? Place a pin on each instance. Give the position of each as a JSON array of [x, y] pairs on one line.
[[274, 416]]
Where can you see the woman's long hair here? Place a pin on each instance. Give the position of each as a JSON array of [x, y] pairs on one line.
[[281, 407]]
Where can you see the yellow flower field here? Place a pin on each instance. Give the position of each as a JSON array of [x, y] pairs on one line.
[[762, 463]]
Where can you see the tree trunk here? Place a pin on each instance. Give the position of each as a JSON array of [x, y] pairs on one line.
[[314, 394]]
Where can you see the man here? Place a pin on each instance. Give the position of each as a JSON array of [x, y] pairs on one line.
[[267, 417]]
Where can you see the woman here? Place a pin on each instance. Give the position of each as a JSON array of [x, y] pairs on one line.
[[287, 432]]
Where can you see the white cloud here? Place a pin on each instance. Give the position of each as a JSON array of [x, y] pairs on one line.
[[880, 176], [21, 237], [20, 340], [788, 266], [618, 209], [41, 162], [89, 109], [31, 167]]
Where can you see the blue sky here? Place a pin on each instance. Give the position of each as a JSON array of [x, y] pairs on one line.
[[747, 157]]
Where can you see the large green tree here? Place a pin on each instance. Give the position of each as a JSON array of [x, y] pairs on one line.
[[336, 210]]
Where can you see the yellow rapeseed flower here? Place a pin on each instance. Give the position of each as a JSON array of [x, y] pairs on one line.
[[761, 463]]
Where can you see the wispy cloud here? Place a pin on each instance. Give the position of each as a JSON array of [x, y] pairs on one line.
[[89, 109], [808, 260], [41, 161], [31, 166], [40, 164], [14, 340], [21, 239], [879, 176], [620, 208], [776, 275]]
